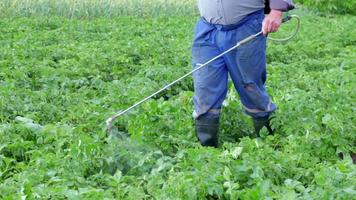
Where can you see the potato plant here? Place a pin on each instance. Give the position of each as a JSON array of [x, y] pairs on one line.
[[61, 77]]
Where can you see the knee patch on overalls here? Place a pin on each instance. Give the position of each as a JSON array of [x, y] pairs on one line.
[[255, 96]]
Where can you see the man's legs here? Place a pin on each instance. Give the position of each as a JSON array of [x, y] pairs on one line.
[[210, 85]]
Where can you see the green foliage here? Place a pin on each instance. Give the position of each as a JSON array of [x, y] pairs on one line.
[[61, 78], [331, 6], [97, 8]]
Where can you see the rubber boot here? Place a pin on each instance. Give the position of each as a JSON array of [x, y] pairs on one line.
[[206, 130], [259, 123]]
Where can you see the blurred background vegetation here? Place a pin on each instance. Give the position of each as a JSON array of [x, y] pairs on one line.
[[331, 6], [111, 8], [97, 8]]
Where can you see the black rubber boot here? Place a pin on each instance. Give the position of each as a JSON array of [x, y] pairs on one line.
[[259, 123], [206, 130]]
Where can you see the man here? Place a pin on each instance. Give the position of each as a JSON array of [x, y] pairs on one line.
[[222, 24]]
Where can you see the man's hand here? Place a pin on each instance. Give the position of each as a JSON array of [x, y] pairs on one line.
[[272, 22]]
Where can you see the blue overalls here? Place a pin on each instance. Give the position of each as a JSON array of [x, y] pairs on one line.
[[246, 66]]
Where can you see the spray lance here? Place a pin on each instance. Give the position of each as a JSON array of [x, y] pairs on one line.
[[110, 120]]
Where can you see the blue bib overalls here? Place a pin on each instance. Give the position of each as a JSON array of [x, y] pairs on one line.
[[245, 65]]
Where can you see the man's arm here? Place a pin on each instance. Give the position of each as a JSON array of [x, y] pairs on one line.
[[273, 20]]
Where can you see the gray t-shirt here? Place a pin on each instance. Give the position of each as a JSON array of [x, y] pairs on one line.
[[227, 12]]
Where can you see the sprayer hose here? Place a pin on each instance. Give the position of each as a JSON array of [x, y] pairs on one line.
[[286, 39]]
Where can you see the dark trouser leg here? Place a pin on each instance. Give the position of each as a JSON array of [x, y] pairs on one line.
[[210, 84], [247, 68]]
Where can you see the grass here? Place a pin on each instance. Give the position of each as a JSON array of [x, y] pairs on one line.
[[96, 8]]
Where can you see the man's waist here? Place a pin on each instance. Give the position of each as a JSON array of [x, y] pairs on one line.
[[227, 27], [227, 12]]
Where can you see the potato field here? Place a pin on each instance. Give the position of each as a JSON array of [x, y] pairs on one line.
[[68, 65]]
